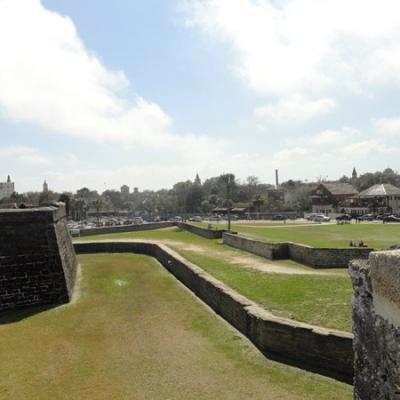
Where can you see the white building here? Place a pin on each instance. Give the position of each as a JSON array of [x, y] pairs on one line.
[[7, 188]]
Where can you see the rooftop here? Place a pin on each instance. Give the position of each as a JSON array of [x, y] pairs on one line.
[[381, 189], [340, 188]]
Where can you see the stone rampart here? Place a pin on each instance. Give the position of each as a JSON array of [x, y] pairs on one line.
[[206, 233], [317, 349], [125, 228], [37, 259], [376, 326], [311, 256], [326, 257], [272, 251]]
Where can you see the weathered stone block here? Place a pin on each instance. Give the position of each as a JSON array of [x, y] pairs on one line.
[[376, 326], [37, 259]]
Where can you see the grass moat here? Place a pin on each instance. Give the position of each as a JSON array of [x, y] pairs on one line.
[[134, 332], [288, 289]]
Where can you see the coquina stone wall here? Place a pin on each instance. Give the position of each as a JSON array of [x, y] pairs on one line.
[[37, 259], [312, 256], [206, 233], [376, 326], [325, 351], [326, 257], [272, 251], [125, 228]]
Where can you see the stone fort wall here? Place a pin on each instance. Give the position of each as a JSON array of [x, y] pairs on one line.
[[206, 233], [376, 326], [312, 256], [37, 259]]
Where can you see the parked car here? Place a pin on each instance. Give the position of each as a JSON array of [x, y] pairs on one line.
[[311, 217], [196, 218], [344, 217], [367, 217], [391, 218], [321, 218], [279, 217]]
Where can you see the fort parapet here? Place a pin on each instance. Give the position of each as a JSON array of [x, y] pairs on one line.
[[37, 259], [312, 256], [376, 326]]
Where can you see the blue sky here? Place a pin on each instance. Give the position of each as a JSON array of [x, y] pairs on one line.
[[100, 93]]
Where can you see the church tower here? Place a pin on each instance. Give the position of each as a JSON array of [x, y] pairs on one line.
[[45, 187], [354, 175], [197, 180]]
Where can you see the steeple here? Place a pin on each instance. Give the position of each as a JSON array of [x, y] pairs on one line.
[[45, 187], [8, 179], [354, 174], [197, 180]]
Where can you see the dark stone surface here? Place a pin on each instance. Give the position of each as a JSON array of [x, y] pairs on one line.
[[206, 233], [317, 349], [326, 257], [272, 251], [37, 259], [376, 341]]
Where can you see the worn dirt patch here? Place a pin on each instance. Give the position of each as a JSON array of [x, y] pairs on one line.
[[254, 263]]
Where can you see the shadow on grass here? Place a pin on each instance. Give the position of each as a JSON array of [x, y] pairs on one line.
[[18, 314]]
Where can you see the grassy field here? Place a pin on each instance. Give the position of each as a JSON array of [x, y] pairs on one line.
[[377, 236], [319, 298], [253, 223], [135, 333]]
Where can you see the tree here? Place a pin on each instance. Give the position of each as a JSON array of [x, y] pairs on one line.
[[66, 200]]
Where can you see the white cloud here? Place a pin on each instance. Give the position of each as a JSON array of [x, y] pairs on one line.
[[294, 109], [306, 46], [49, 78], [28, 156], [328, 137], [389, 126]]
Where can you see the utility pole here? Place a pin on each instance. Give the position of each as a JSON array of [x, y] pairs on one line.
[[229, 203]]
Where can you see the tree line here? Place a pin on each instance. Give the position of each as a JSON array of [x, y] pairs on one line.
[[197, 197]]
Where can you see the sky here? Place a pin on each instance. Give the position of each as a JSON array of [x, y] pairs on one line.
[[101, 93]]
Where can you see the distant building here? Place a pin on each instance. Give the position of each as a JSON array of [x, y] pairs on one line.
[[330, 197], [7, 188], [382, 197], [45, 187], [125, 190]]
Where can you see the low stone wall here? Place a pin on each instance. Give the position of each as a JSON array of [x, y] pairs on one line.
[[125, 228], [326, 257], [272, 251], [312, 256], [317, 349], [206, 233], [37, 259], [376, 326]]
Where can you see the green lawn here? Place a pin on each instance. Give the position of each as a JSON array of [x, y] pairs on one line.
[[135, 333], [323, 299], [377, 236], [252, 224]]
